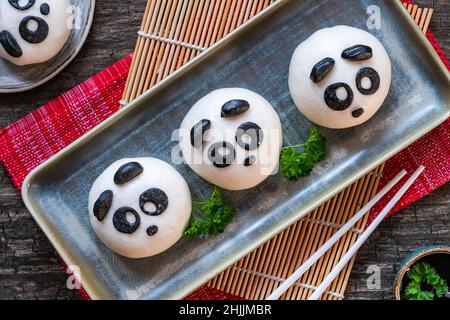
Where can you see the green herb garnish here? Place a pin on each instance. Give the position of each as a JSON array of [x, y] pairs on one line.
[[210, 217], [424, 273], [298, 161]]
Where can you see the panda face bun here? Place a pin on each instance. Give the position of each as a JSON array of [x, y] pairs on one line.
[[33, 31], [339, 77], [232, 138], [139, 207]]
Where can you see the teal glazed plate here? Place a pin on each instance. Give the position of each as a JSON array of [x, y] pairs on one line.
[[256, 57]]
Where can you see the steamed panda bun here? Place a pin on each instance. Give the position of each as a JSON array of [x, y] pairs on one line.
[[232, 138], [33, 31], [339, 77], [139, 207]]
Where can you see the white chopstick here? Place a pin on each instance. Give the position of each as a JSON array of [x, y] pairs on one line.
[[354, 249], [335, 238]]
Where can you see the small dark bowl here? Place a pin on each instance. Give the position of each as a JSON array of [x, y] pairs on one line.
[[437, 256]]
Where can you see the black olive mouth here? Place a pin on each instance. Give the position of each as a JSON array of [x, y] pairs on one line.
[[357, 112], [152, 230]]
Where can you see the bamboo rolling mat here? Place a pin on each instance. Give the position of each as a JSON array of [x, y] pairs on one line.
[[175, 31]]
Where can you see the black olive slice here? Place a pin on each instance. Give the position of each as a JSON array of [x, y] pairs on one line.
[[157, 197], [103, 204], [33, 36], [254, 134], [222, 160], [332, 100], [10, 44], [16, 4], [374, 78], [234, 108], [357, 53], [198, 131], [322, 69], [127, 172], [121, 222]]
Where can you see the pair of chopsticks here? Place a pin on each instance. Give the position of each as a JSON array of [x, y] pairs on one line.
[[342, 231]]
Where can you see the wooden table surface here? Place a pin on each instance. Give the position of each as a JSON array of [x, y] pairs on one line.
[[29, 268]]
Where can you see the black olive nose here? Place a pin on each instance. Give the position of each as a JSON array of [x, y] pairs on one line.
[[333, 101], [45, 9], [222, 160]]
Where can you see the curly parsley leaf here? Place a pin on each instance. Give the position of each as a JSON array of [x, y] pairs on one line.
[[424, 273], [210, 217], [299, 161]]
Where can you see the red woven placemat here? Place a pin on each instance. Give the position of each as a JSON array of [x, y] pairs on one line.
[[30, 141]]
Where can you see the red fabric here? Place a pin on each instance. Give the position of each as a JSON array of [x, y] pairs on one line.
[[433, 151], [207, 293], [30, 141]]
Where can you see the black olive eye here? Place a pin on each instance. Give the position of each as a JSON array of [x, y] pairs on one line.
[[198, 131], [10, 44], [127, 172], [222, 154], [334, 96], [16, 4], [322, 69], [33, 29], [126, 220], [153, 202], [102, 205], [249, 136], [367, 81]]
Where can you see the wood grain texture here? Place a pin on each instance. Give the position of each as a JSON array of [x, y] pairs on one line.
[[29, 268]]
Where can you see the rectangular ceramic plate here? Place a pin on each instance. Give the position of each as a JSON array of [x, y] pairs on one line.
[[256, 57]]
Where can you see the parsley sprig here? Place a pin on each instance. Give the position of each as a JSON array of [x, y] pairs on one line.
[[209, 217], [424, 273], [298, 161]]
